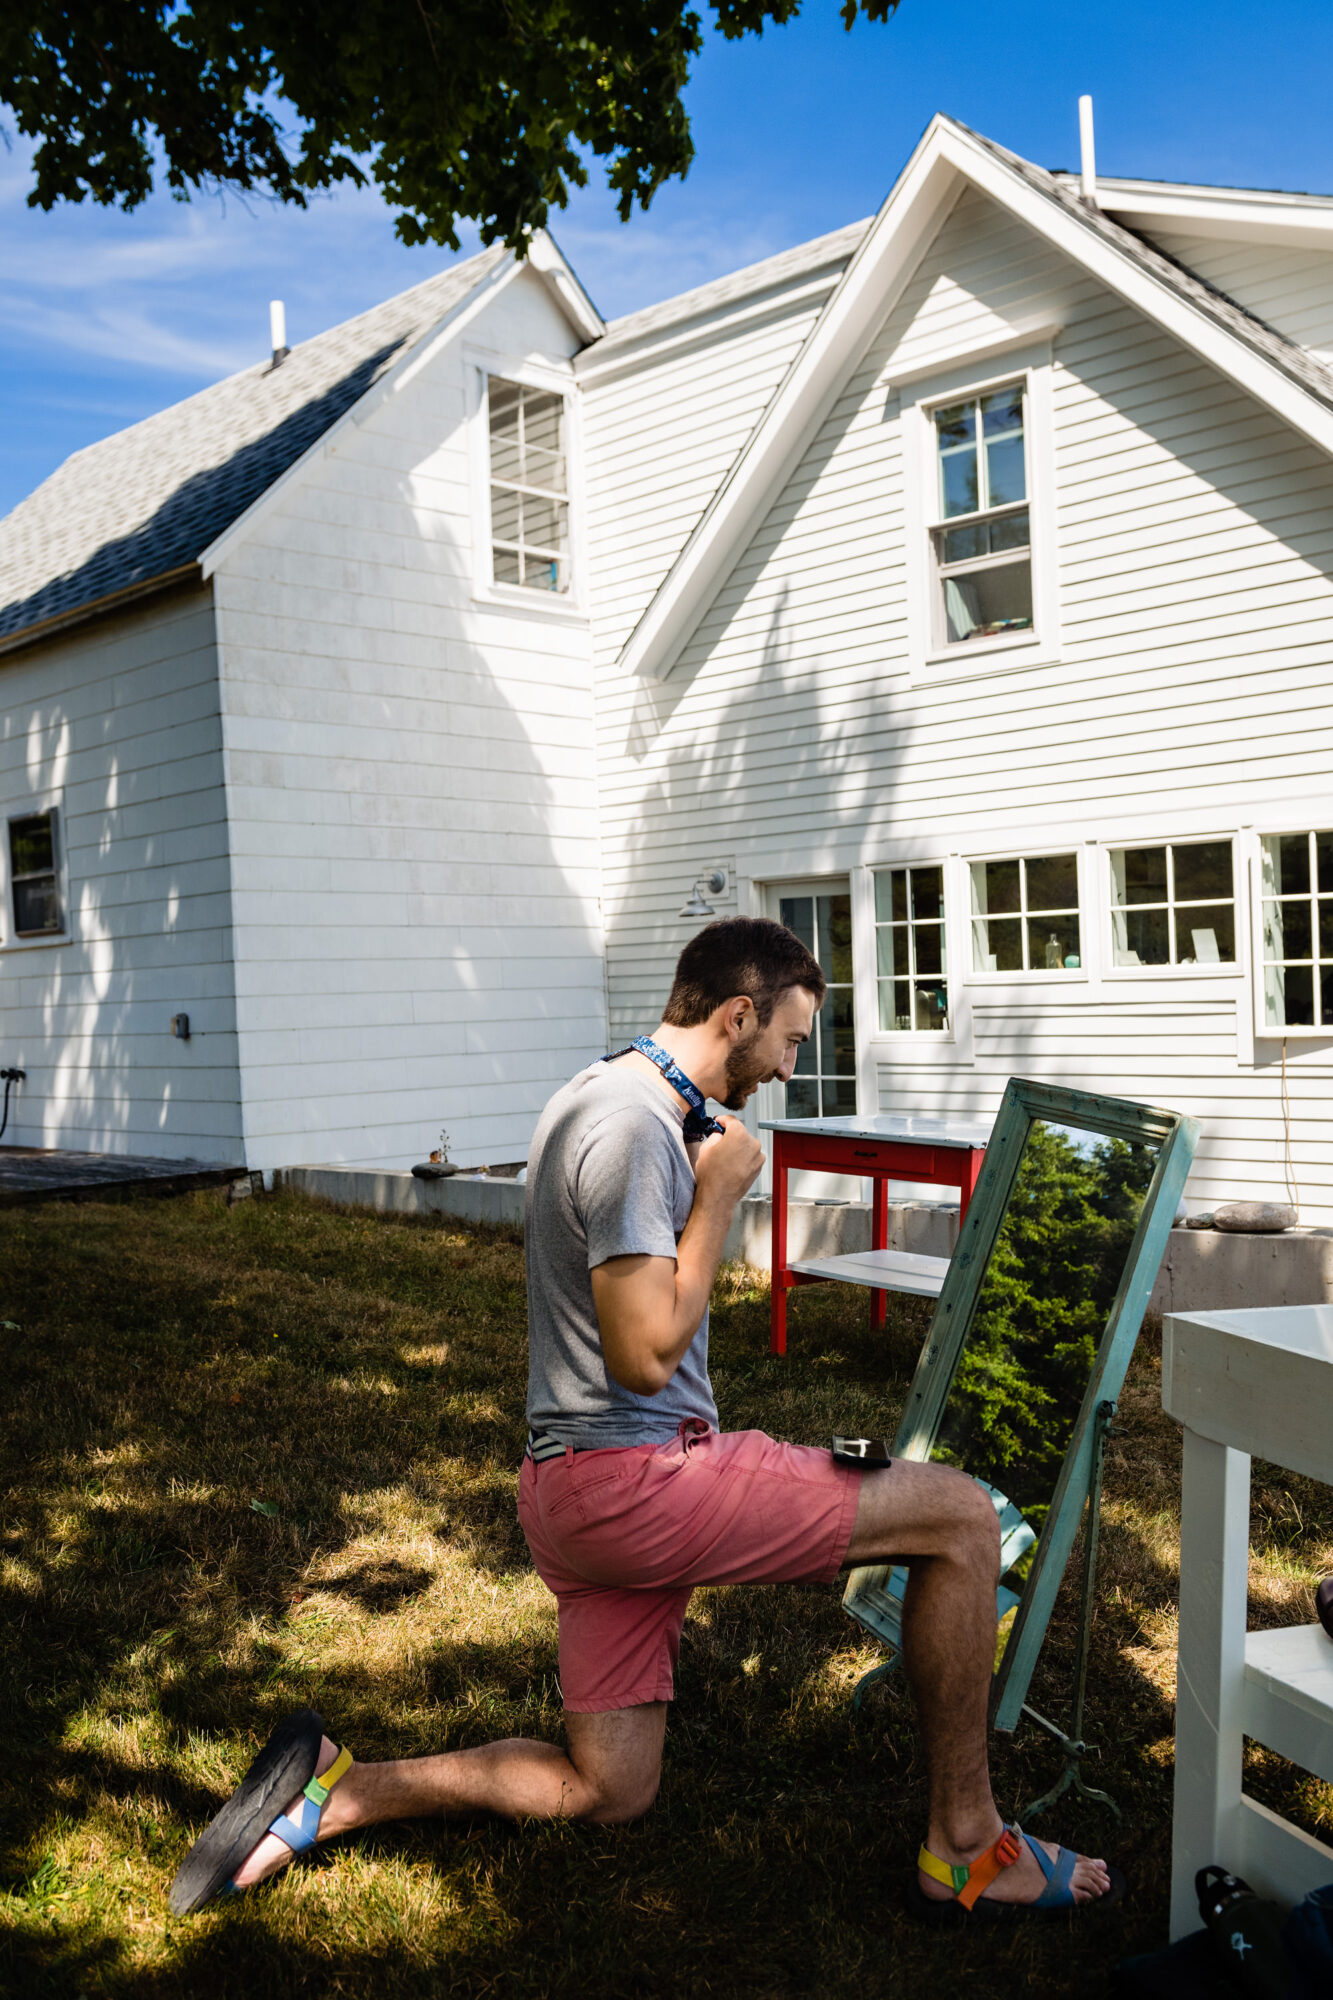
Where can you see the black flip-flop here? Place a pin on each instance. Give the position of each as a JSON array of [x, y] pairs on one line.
[[284, 1767]]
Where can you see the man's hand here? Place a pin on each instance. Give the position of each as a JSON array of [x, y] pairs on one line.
[[728, 1164], [649, 1308]]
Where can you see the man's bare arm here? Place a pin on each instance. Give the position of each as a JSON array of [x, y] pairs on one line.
[[649, 1308]]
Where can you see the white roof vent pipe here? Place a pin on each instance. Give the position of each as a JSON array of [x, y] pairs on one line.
[[277, 329], [1087, 153]]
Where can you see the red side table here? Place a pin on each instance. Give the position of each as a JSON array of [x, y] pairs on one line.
[[938, 1151]]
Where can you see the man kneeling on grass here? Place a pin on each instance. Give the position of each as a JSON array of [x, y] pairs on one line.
[[630, 1495]]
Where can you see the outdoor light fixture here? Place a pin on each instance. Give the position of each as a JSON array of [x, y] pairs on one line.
[[715, 884]]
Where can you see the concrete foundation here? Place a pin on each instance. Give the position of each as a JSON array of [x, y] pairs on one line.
[[463, 1197], [1203, 1270]]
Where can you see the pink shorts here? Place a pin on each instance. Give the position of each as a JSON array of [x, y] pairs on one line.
[[623, 1536]]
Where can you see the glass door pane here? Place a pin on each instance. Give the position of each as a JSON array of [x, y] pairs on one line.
[[824, 1082]]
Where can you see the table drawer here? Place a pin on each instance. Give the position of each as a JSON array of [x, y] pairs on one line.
[[858, 1156]]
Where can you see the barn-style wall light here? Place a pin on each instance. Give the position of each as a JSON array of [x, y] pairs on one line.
[[714, 884]]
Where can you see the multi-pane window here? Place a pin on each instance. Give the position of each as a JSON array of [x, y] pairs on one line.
[[1173, 905], [529, 486], [909, 948], [1025, 914], [824, 1081], [1297, 874], [34, 881], [983, 557]]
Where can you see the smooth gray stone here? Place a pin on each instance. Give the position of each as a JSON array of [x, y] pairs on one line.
[[1257, 1218], [1199, 1221]]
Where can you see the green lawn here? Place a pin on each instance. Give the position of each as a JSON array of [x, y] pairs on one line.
[[171, 1363]]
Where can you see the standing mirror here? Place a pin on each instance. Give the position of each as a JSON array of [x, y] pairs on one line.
[[1031, 1338]]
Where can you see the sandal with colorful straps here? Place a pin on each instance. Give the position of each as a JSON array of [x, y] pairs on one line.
[[970, 1881], [286, 1764]]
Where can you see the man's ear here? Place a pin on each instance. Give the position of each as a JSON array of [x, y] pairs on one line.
[[738, 1015]]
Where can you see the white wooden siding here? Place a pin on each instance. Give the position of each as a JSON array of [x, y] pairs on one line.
[[412, 788], [660, 440], [119, 722], [1290, 288], [1194, 538]]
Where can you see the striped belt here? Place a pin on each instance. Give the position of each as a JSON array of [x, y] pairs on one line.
[[540, 1446]]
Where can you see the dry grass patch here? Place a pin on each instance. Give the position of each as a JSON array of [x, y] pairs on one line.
[[263, 1456]]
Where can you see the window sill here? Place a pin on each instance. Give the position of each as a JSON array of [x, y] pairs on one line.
[[36, 943], [989, 656], [1065, 976], [1279, 1035], [1126, 973], [537, 603], [931, 1038]]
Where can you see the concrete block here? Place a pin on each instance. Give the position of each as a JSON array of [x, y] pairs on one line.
[[1208, 1271], [465, 1198], [820, 1229]]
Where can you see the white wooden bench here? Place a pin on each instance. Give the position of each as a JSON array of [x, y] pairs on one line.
[[1244, 1384]]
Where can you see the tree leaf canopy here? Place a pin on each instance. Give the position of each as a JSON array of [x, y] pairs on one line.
[[458, 109]]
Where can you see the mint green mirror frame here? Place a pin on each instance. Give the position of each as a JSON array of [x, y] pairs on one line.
[[868, 1597]]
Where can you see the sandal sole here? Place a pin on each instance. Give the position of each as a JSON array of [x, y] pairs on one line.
[[284, 1766], [952, 1916]]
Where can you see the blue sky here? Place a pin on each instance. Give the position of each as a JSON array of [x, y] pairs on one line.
[[105, 318]]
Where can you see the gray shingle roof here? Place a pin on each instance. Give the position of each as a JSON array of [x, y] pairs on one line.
[[829, 253], [149, 500], [1256, 333]]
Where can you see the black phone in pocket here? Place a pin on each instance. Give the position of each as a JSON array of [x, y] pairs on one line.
[[866, 1454]]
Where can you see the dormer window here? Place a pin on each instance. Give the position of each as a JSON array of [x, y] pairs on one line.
[[529, 487], [981, 547]]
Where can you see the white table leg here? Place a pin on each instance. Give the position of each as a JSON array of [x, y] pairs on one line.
[[1210, 1666]]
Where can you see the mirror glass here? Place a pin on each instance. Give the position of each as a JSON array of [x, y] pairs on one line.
[[1040, 1315]]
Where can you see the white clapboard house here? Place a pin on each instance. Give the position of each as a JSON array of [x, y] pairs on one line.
[[958, 587]]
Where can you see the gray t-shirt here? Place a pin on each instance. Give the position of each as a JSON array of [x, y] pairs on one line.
[[608, 1176]]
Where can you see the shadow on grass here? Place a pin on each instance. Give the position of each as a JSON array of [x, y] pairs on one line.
[[362, 1379]]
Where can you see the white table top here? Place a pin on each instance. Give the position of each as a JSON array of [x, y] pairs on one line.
[[1304, 1330], [962, 1132], [1259, 1380]]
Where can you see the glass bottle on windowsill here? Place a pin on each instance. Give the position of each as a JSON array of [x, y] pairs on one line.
[[1054, 955]]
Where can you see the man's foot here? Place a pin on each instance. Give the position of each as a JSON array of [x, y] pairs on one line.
[[272, 1853], [1019, 1881]]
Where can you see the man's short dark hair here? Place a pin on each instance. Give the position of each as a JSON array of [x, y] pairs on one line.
[[749, 955]]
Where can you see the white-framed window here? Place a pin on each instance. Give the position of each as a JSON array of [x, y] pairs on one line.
[[1296, 931], [1025, 914], [529, 486], [978, 441], [35, 877], [911, 961], [1173, 904], [981, 543], [823, 1084]]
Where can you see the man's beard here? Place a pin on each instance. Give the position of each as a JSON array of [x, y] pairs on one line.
[[744, 1072]]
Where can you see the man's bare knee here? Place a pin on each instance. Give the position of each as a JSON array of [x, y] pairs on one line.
[[618, 1757], [979, 1519], [617, 1806]]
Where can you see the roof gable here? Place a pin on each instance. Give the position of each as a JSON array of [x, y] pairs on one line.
[[1281, 374], [145, 506]]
